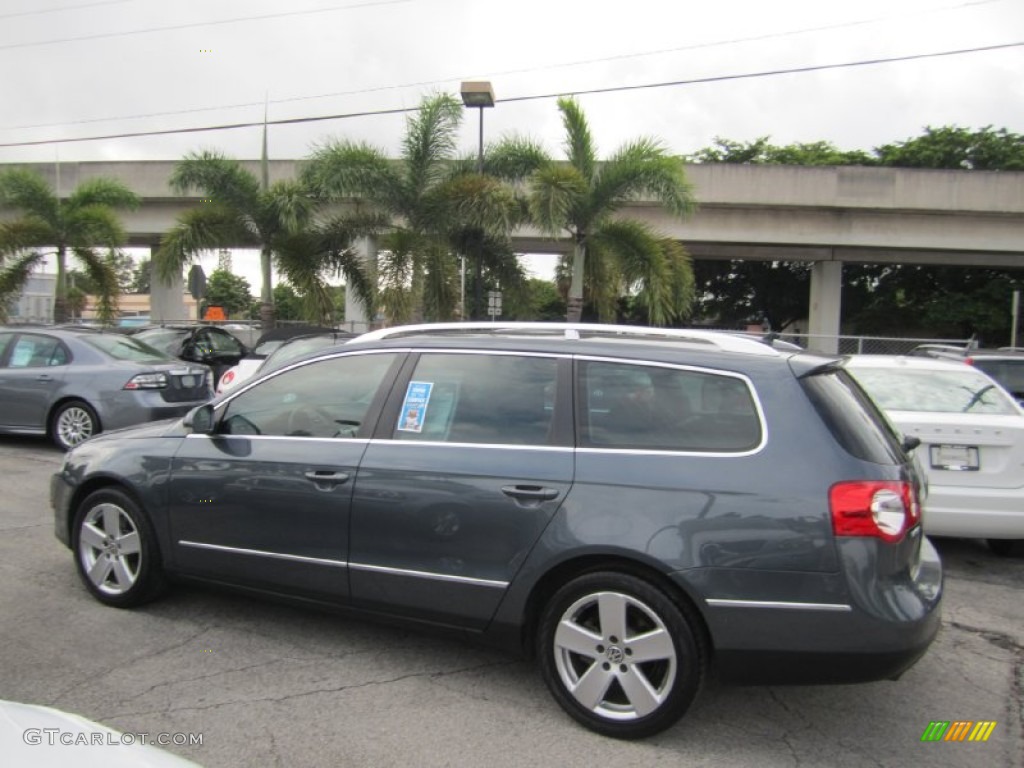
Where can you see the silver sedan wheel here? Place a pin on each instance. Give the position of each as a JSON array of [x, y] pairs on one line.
[[615, 656], [110, 549], [74, 425]]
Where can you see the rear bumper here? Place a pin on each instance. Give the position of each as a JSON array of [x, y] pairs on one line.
[[869, 631], [984, 513], [130, 408]]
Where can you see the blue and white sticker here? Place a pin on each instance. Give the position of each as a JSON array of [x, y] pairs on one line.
[[414, 408]]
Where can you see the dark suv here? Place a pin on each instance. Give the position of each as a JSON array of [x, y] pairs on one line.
[[631, 505]]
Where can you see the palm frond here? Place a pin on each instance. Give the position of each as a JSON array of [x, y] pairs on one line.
[[29, 231], [101, 270], [344, 169], [92, 225], [198, 229], [29, 192], [103, 192], [429, 141], [286, 205], [514, 158], [220, 178], [638, 168], [474, 201], [14, 276], [554, 198], [642, 263], [579, 144]]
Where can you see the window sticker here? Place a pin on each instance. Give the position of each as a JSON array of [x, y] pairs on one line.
[[414, 409]]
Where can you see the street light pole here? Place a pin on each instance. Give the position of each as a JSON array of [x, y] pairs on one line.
[[479, 94]]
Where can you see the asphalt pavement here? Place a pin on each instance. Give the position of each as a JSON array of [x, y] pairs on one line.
[[267, 684]]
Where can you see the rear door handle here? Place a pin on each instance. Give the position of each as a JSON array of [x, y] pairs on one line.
[[530, 492], [326, 479], [44, 377]]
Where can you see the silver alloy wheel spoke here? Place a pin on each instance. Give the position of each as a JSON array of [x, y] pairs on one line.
[[623, 669], [110, 549], [74, 426], [612, 610], [592, 686], [651, 646], [639, 691], [573, 637]]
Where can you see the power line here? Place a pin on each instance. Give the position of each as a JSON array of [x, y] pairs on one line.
[[534, 97], [193, 25], [519, 71], [63, 8]]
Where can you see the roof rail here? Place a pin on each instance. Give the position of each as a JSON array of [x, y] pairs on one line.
[[723, 340]]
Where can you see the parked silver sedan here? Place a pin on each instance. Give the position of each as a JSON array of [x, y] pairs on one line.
[[71, 383]]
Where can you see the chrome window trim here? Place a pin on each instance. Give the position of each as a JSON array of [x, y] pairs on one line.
[[491, 446], [428, 575], [667, 452], [357, 440], [726, 603], [262, 553]]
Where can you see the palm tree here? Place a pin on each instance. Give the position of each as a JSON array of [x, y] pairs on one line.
[[279, 219], [612, 255], [80, 224]]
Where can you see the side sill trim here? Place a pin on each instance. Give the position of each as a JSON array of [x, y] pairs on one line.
[[722, 603], [261, 553], [429, 575]]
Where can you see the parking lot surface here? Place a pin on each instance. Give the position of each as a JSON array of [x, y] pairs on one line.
[[279, 685]]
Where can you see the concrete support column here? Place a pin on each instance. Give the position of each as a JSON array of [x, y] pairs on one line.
[[166, 300], [358, 317], [826, 301]]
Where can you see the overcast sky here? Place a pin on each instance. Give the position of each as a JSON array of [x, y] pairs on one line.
[[91, 67]]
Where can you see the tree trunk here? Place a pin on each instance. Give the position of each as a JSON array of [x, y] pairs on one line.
[[60, 295], [267, 320], [574, 302]]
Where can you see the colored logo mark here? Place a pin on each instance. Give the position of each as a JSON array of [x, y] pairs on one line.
[[958, 730]]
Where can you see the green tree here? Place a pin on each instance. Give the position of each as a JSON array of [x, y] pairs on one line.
[[84, 224], [141, 280], [279, 219], [614, 256], [952, 147], [227, 290], [761, 152], [428, 206]]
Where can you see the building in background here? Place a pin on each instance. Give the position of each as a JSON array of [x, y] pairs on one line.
[[35, 303]]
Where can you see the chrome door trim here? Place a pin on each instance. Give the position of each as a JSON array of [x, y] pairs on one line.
[[262, 553], [724, 603], [428, 575]]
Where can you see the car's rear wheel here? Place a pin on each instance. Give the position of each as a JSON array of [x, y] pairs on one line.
[[1007, 547], [116, 550], [619, 655], [72, 423]]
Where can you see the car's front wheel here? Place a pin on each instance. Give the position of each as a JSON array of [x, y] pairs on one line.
[[619, 655], [72, 423], [115, 550]]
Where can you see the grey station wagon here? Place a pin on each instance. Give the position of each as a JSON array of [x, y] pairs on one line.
[[629, 505]]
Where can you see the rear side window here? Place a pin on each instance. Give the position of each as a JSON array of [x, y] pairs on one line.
[[484, 399], [36, 351], [852, 417], [624, 406]]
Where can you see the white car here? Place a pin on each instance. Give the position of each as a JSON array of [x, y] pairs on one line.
[[972, 443]]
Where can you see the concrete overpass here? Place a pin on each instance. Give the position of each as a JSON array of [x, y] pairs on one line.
[[826, 215]]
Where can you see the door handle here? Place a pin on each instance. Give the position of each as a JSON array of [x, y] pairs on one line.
[[44, 377], [326, 477], [532, 492]]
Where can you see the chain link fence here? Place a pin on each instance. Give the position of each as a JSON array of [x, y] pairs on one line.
[[868, 345]]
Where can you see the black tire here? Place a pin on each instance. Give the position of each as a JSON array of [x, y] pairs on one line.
[[675, 657], [73, 423], [115, 550], [1007, 547]]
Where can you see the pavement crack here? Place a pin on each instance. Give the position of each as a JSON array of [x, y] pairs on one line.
[[998, 639]]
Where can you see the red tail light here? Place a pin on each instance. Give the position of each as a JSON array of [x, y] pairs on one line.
[[882, 509]]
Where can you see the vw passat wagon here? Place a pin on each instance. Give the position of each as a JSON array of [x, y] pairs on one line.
[[629, 505]]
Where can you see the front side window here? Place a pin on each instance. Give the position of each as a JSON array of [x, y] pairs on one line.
[[37, 351], [327, 398], [484, 399], [626, 406]]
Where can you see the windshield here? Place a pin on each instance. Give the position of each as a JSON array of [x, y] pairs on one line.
[[126, 348], [922, 390]]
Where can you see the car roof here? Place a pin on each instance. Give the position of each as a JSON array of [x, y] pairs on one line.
[[295, 331]]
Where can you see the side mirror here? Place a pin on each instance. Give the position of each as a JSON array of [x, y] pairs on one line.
[[200, 419], [910, 443]]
